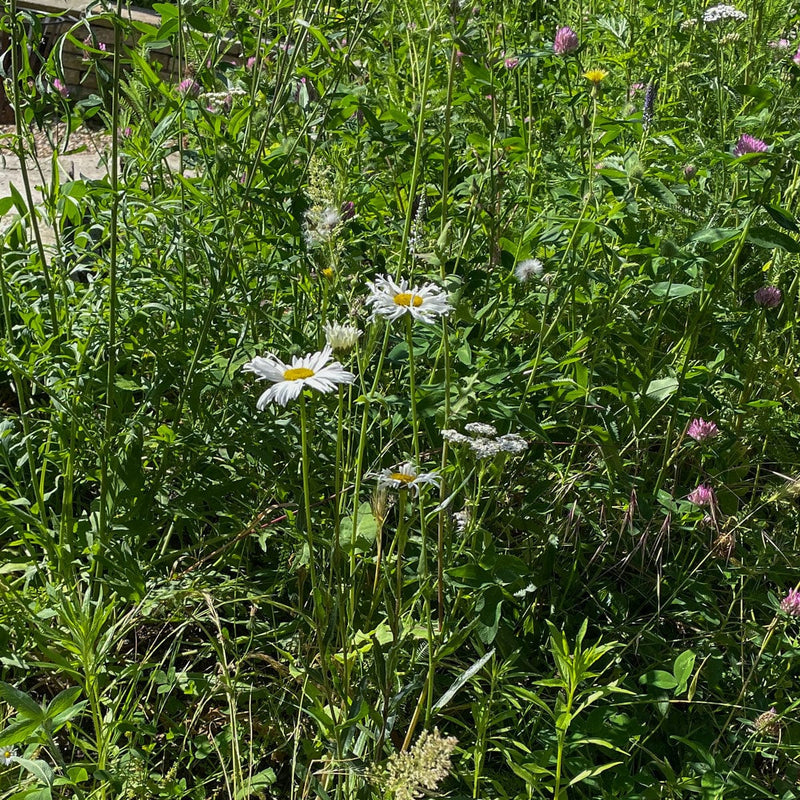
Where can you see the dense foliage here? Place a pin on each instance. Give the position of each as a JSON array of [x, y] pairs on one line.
[[315, 597]]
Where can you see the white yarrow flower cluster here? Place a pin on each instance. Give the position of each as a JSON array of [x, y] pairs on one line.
[[341, 337], [320, 225], [484, 441], [406, 476], [289, 380], [528, 269], [392, 300], [722, 12]]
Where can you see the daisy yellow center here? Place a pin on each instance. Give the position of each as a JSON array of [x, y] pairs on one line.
[[407, 299], [402, 477], [297, 373]]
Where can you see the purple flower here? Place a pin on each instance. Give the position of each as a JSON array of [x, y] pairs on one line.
[[700, 430], [749, 144], [348, 209], [189, 87], [791, 603], [689, 171], [566, 41], [703, 495], [251, 62], [768, 296], [127, 132], [796, 57], [60, 87], [511, 62]]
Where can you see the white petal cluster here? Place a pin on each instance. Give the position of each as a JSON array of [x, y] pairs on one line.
[[528, 269], [480, 429], [406, 476], [341, 337], [289, 380], [722, 12], [392, 300], [484, 441]]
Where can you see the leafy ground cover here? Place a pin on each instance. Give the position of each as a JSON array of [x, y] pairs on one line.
[[430, 425]]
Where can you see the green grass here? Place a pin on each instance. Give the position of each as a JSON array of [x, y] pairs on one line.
[[202, 599]]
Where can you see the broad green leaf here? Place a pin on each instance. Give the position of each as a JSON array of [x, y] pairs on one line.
[[682, 669], [20, 701], [257, 784], [770, 238], [41, 770], [659, 678], [668, 290], [366, 531], [662, 388], [18, 731]]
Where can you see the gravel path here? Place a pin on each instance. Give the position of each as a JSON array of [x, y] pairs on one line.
[[86, 157]]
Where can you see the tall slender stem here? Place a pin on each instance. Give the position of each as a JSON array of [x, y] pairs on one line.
[[307, 495]]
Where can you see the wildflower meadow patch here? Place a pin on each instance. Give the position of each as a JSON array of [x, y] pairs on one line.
[[411, 410]]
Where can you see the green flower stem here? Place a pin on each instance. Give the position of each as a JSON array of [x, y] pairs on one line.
[[307, 494], [412, 389], [400, 538]]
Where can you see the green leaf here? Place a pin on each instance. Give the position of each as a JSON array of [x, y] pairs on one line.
[[716, 237], [783, 218], [41, 770], [659, 190], [669, 290], [662, 388], [769, 238], [660, 679], [461, 680], [20, 701], [590, 773], [257, 784], [366, 531], [682, 670], [18, 731], [62, 701]]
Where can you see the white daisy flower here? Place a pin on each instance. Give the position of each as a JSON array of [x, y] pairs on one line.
[[530, 268], [7, 755], [341, 337], [405, 476], [312, 370], [391, 300]]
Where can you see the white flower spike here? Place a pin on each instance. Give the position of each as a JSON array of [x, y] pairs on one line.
[[391, 300], [312, 370]]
